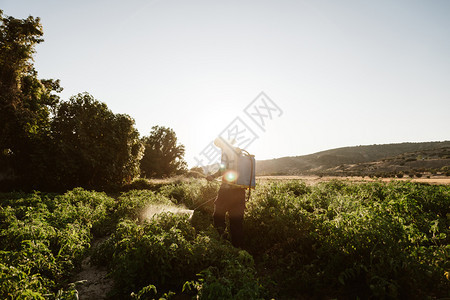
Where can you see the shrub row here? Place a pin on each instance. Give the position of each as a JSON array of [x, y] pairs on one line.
[[332, 240], [347, 240]]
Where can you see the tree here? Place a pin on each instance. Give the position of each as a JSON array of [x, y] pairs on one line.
[[25, 101], [162, 156], [94, 147]]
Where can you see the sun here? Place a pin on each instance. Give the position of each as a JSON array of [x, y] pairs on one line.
[[230, 176]]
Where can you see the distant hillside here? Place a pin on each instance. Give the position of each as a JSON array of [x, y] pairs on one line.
[[362, 160]]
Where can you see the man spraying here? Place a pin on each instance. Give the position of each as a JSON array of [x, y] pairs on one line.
[[237, 170]]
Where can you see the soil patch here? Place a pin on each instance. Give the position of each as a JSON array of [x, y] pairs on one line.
[[95, 283]]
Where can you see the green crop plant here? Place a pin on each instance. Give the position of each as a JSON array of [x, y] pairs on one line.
[[334, 239]]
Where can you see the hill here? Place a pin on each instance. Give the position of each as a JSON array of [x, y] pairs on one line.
[[364, 160]]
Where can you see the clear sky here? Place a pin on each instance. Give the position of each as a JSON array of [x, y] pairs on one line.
[[343, 73]]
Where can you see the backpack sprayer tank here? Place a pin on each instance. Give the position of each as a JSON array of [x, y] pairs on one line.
[[239, 165], [245, 168]]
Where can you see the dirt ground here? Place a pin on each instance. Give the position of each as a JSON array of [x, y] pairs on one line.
[[94, 283], [315, 179]]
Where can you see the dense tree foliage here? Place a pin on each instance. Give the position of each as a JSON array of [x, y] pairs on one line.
[[163, 156], [26, 102], [94, 146], [50, 144]]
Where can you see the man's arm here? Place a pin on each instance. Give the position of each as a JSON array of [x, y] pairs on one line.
[[214, 176]]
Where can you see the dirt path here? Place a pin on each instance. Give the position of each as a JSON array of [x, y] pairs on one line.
[[315, 179], [96, 284]]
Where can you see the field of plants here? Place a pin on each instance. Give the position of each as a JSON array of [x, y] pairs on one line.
[[334, 239]]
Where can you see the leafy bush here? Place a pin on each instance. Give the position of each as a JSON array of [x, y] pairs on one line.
[[43, 239], [332, 240], [142, 184], [167, 252], [351, 240], [132, 204], [193, 193]]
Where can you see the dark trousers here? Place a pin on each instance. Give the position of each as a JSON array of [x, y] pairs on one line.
[[231, 200]]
